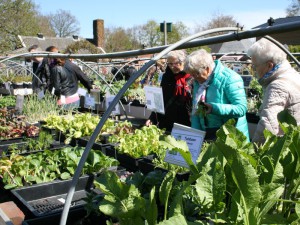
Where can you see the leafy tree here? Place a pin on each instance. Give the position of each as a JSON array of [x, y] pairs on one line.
[[116, 39], [18, 17], [82, 45], [179, 31], [64, 23], [45, 26], [134, 35], [294, 8], [150, 34]]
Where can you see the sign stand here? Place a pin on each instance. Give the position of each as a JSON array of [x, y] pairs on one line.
[[194, 139]]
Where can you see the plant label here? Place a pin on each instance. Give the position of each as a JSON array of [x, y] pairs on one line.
[[154, 99], [194, 139]]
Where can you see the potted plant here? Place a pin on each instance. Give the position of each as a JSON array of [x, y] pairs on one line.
[[36, 109]]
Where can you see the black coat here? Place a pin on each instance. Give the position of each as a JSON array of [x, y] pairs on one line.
[[177, 108], [64, 82], [41, 77], [79, 74]]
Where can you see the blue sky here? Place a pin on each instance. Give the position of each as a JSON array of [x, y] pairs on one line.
[[128, 13]]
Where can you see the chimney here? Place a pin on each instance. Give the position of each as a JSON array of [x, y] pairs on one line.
[[40, 35], [98, 30]]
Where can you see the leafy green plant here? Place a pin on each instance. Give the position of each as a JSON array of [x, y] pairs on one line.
[[36, 109], [234, 182], [255, 96], [6, 101], [46, 166], [83, 125], [142, 142]]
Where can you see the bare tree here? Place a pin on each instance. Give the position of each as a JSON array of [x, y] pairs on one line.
[[220, 20], [64, 23], [294, 8]]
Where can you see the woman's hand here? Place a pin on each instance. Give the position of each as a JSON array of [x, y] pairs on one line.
[[148, 123], [208, 107]]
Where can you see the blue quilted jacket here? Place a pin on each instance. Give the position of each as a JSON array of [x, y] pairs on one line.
[[227, 96]]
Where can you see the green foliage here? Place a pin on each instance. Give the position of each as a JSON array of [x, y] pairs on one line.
[[82, 125], [18, 18], [6, 101], [49, 165], [36, 109], [78, 46], [142, 142], [234, 181]]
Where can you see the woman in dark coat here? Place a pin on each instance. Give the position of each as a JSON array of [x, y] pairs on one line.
[[176, 88]]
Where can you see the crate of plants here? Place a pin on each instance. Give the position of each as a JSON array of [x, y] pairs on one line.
[[31, 178], [167, 142], [130, 148], [13, 128], [47, 166], [27, 146]]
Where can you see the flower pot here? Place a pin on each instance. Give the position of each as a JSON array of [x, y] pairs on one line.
[[27, 85], [47, 198], [252, 117], [18, 85]]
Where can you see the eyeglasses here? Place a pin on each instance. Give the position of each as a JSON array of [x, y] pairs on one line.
[[174, 63], [254, 67]]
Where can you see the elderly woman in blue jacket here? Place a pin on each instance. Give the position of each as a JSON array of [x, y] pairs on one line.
[[218, 94]]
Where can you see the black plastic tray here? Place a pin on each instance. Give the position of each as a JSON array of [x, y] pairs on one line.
[[48, 198]]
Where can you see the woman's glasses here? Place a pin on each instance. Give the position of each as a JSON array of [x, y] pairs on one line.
[[174, 63]]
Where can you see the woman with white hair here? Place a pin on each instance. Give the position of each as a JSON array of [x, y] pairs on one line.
[[281, 86], [176, 88], [218, 94]]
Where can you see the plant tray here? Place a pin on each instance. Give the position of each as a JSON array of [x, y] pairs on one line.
[[48, 198], [146, 166]]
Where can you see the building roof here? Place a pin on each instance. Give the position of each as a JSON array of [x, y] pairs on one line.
[[278, 21], [44, 42], [232, 46], [287, 38]]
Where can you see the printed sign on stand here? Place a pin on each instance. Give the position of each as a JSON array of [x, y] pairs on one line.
[[89, 102], [109, 99], [82, 91], [154, 99], [194, 139]]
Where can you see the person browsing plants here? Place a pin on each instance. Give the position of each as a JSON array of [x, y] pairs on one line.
[[280, 83], [218, 94], [176, 88]]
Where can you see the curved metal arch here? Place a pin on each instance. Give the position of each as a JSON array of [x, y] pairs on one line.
[[28, 70], [105, 83], [283, 49], [112, 105]]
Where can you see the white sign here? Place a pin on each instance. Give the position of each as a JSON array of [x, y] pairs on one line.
[[154, 99], [109, 99], [194, 139], [89, 102], [81, 91]]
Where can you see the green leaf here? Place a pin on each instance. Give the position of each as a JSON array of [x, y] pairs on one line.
[[165, 189], [175, 220], [65, 175], [121, 201], [151, 209], [285, 117], [181, 146], [211, 186]]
